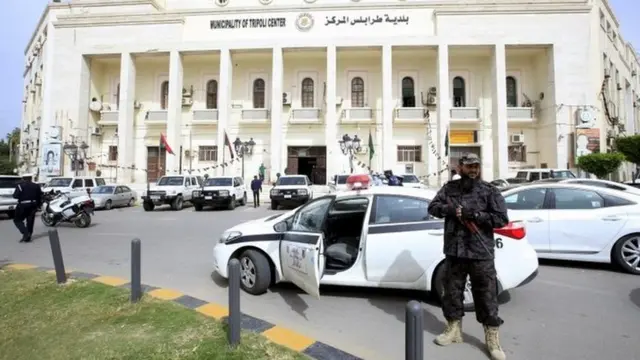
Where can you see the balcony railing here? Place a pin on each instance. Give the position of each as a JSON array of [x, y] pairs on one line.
[[108, 118], [255, 116], [156, 117], [357, 115], [465, 114], [305, 116], [205, 116], [520, 114], [410, 115]]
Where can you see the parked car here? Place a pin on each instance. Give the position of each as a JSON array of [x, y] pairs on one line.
[[7, 202], [539, 174], [74, 185], [503, 183], [597, 183], [110, 196]]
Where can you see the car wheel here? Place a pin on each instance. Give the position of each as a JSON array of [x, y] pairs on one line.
[[11, 214], [46, 220], [626, 253], [177, 204], [108, 205], [232, 203], [274, 205], [131, 202], [255, 272], [438, 288], [148, 206], [197, 207], [244, 199]]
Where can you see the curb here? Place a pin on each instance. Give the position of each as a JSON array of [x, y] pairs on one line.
[[274, 333]]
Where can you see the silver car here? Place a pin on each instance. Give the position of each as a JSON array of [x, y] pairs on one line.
[[109, 196]]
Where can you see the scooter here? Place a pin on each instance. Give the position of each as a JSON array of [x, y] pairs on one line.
[[59, 207]]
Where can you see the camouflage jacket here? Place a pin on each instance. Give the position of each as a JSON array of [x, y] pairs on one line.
[[490, 212]]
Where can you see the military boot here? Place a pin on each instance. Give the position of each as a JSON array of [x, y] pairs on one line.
[[452, 333], [493, 343]]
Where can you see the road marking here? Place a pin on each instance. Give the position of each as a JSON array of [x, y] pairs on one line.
[[213, 310], [110, 280], [165, 294], [288, 338]]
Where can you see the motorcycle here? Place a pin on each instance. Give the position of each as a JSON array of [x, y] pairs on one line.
[[59, 207]]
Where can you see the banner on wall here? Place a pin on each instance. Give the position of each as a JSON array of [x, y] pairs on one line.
[[587, 142], [51, 160]]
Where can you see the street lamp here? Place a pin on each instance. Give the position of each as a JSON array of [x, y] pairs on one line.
[[350, 147], [243, 148], [77, 154]]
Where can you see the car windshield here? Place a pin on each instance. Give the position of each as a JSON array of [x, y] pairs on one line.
[[218, 182], [60, 182], [410, 179], [293, 180], [564, 174], [9, 182], [341, 179], [103, 190], [171, 181], [516, 180]]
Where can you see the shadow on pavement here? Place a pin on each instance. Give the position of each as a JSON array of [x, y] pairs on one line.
[[580, 265], [634, 296], [219, 280]]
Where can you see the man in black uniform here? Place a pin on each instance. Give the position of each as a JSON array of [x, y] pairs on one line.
[[471, 208], [256, 188], [29, 196]]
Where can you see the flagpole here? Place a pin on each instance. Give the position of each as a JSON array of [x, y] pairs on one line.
[[223, 152], [159, 157]]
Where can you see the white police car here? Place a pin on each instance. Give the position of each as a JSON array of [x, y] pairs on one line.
[[371, 237]]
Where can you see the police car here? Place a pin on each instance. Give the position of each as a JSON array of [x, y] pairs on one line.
[[371, 237]]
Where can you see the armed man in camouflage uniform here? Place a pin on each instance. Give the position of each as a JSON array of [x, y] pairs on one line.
[[471, 208]]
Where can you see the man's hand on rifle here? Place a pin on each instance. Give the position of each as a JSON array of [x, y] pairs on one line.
[[467, 214]]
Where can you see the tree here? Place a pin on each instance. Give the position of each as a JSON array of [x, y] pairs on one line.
[[601, 164], [629, 146]]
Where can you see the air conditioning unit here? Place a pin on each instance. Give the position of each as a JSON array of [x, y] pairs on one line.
[[517, 138], [189, 153], [96, 131], [95, 105], [187, 93], [187, 101], [137, 104], [619, 87], [339, 100], [286, 98]]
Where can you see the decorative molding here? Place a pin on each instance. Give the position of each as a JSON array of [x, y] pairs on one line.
[[117, 20]]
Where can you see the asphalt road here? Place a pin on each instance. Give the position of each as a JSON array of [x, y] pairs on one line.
[[571, 311]]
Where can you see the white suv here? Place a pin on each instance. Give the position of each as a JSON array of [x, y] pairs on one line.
[[172, 190], [291, 190], [73, 186], [220, 191], [7, 187]]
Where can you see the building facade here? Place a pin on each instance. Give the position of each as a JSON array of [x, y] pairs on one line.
[[521, 84]]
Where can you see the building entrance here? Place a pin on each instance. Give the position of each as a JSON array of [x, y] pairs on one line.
[[155, 157], [310, 161]]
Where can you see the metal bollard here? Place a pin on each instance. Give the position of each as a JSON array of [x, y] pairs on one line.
[[414, 331], [235, 315], [136, 271], [56, 251]]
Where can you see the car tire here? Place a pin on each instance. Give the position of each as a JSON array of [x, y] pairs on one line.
[[198, 207], [617, 254], [148, 206], [232, 203], [177, 204], [131, 202], [11, 214], [438, 287], [274, 205], [261, 271], [108, 205], [243, 202]]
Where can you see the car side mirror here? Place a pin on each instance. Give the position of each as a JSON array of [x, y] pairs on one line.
[[280, 227], [332, 182]]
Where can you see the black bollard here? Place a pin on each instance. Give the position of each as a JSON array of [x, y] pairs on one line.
[[136, 271], [56, 251], [414, 331], [234, 303]]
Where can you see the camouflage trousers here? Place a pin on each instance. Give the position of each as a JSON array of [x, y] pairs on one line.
[[484, 287]]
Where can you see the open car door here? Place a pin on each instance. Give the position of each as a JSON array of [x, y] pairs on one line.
[[302, 260]]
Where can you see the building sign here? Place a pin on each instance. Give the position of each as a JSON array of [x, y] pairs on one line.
[[251, 23], [458, 137], [366, 20], [587, 142]]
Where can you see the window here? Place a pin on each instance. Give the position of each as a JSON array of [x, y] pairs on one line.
[[409, 153], [517, 153], [88, 182], [187, 181], [208, 153], [602, 20], [529, 199], [357, 92], [118, 96], [391, 209], [307, 93], [408, 92], [459, 92], [311, 217], [77, 183], [212, 94], [164, 95], [512, 92], [235, 182], [575, 199], [100, 182], [125, 188], [611, 201], [113, 153], [259, 94]]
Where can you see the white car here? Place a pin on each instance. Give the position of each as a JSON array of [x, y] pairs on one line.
[[73, 186], [7, 202], [378, 237], [597, 183], [568, 221], [411, 181], [227, 191], [172, 190], [291, 190]]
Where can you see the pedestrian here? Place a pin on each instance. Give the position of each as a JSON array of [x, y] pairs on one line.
[[256, 188], [29, 196], [471, 209]]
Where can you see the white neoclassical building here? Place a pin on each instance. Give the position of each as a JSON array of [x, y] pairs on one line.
[[521, 84]]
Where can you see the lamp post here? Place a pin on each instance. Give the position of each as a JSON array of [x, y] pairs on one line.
[[77, 154], [350, 147], [243, 148]]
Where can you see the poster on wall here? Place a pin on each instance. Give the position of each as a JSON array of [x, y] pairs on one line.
[[587, 142], [51, 164]]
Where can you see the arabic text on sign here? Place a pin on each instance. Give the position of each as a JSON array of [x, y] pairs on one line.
[[366, 20], [257, 23]]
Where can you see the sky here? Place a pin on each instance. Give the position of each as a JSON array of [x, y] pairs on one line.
[[18, 23]]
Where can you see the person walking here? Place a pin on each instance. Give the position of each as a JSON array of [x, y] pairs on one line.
[[471, 209], [256, 188], [29, 196]]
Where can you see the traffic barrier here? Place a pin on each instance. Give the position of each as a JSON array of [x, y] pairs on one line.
[[414, 331], [136, 270], [235, 316], [56, 252]]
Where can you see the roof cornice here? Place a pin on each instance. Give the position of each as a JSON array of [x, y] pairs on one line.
[[72, 21]]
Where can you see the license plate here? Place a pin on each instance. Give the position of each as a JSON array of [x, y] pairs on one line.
[[287, 196], [155, 198], [208, 197], [11, 207]]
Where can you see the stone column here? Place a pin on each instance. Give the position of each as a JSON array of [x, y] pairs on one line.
[[277, 80], [225, 81], [174, 112], [331, 116], [126, 118], [499, 114], [444, 112], [389, 153]]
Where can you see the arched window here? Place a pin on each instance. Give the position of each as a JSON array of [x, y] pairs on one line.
[[212, 94], [512, 92], [307, 93], [164, 95], [408, 92], [258, 94], [459, 92], [118, 96], [357, 92]]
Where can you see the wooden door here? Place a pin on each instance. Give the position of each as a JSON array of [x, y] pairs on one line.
[[155, 158]]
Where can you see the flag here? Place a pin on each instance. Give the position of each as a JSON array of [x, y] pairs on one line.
[[165, 144], [227, 143], [371, 150], [446, 143]]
